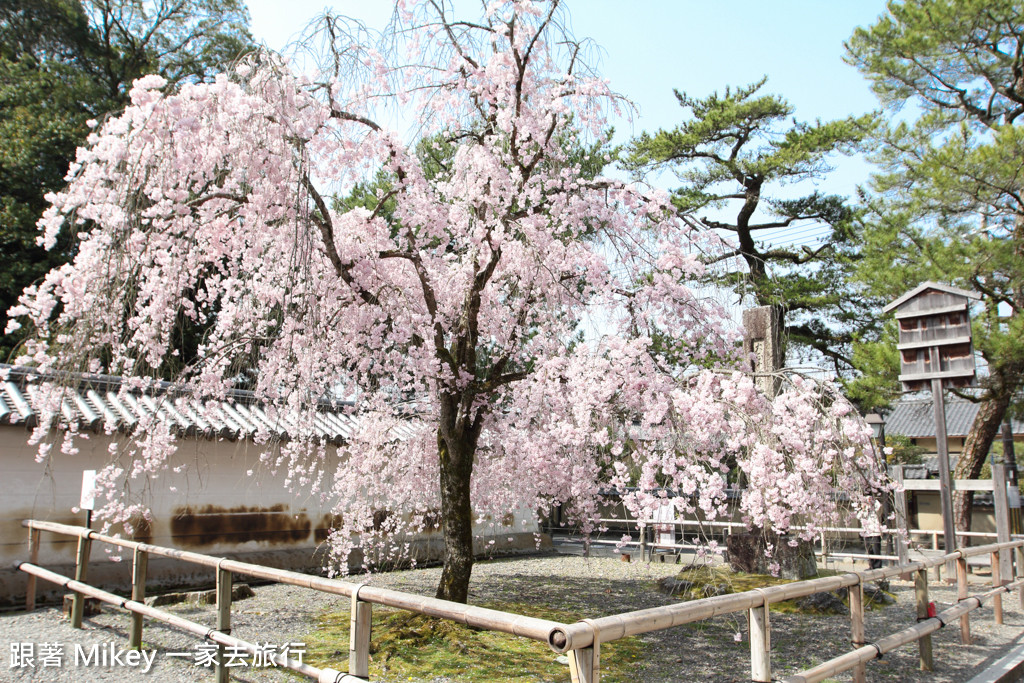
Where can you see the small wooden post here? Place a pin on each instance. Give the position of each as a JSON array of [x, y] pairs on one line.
[[140, 563], [223, 620], [857, 628], [924, 644], [359, 637], [81, 572], [643, 544], [1002, 513], [961, 593], [584, 664], [900, 505], [760, 644], [33, 558], [997, 581], [1020, 573]]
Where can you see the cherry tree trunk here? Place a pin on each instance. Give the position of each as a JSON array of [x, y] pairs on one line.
[[748, 553], [976, 447], [456, 519]]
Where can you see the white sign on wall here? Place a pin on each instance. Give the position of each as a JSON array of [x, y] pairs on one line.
[[88, 490], [664, 529]]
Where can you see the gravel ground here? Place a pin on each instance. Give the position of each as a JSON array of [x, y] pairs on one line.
[[707, 651]]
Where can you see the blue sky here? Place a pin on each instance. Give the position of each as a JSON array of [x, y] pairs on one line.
[[650, 47]]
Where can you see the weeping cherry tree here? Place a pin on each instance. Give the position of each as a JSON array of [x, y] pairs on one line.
[[535, 317]]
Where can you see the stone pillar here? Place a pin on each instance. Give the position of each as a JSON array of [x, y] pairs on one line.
[[762, 342]]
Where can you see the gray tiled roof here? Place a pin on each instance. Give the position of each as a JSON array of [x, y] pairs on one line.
[[913, 417], [100, 402]]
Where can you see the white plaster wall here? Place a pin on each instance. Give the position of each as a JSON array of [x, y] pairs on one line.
[[254, 517]]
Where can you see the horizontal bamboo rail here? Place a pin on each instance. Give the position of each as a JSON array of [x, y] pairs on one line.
[[625, 521], [890, 642], [580, 640], [608, 628], [320, 675], [647, 547], [479, 617]]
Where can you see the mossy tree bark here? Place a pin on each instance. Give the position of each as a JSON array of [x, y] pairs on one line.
[[457, 440]]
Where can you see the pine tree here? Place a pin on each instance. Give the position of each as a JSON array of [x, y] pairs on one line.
[[735, 151], [948, 203]]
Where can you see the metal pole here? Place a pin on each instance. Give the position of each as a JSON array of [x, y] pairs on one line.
[[942, 449], [902, 521], [1009, 454], [1010, 458], [876, 541], [1002, 513]]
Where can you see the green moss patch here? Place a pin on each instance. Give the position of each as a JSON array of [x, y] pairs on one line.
[[708, 581], [409, 646]]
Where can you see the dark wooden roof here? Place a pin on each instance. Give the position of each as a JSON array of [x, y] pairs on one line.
[[913, 417], [924, 286]]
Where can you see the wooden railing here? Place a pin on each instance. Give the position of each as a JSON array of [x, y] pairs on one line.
[[581, 640], [362, 597], [647, 546], [997, 485], [586, 637]]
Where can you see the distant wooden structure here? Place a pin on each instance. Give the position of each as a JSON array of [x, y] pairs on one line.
[[935, 336], [935, 347]]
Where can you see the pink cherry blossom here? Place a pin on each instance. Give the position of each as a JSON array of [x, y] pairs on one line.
[[539, 324]]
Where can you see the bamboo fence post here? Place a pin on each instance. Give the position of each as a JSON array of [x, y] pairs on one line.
[[997, 581], [223, 620], [140, 564], [359, 637], [81, 572], [643, 544], [856, 594], [585, 663], [33, 558], [760, 643], [1020, 573], [961, 594], [924, 645]]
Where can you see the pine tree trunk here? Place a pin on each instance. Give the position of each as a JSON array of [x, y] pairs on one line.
[[976, 447], [456, 518]]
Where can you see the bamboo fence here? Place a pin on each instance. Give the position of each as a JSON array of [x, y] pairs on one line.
[[581, 641]]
